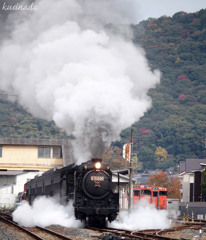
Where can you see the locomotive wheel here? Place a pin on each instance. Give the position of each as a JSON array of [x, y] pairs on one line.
[[106, 222], [103, 222], [87, 221], [100, 221]]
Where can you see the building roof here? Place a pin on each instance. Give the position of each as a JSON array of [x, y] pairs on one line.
[[64, 143], [33, 141], [142, 179], [182, 166], [191, 164]]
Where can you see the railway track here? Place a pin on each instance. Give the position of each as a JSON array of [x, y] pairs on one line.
[[37, 233], [195, 227], [107, 233], [167, 234], [130, 235], [45, 234]]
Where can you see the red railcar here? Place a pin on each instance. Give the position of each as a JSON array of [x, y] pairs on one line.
[[153, 194]]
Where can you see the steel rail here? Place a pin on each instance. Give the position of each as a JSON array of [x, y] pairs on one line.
[[8, 219], [132, 234], [54, 233], [179, 228], [21, 228]]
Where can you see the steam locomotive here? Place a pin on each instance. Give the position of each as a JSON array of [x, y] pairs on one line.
[[89, 185]]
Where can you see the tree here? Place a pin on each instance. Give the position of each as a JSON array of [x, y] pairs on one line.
[[113, 156], [147, 156], [161, 154], [203, 184], [173, 188], [160, 179], [136, 164], [165, 164], [172, 184]]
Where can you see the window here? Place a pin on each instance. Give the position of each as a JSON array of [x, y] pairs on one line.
[[154, 194], [145, 192], [0, 151], [57, 152], [44, 152], [136, 193], [163, 193]]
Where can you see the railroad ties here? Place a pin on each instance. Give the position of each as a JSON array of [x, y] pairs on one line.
[[167, 234], [114, 233], [37, 233]]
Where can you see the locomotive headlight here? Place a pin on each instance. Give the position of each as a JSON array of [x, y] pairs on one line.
[[98, 165]]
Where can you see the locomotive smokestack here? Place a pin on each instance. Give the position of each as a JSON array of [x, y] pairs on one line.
[[94, 160]]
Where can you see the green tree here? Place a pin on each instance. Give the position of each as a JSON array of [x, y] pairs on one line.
[[203, 184], [147, 156], [136, 164]]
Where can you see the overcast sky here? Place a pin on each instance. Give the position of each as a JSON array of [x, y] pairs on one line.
[[158, 8]]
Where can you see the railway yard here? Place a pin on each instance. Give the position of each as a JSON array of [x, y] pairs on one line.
[[180, 230]]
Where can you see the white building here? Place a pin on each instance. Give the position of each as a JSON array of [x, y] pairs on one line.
[[12, 183]]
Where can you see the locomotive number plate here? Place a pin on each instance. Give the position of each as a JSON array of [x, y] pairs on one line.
[[97, 178]]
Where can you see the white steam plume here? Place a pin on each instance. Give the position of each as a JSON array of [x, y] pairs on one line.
[[143, 216], [45, 212], [65, 66]]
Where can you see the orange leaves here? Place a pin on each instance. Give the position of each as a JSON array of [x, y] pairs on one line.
[[173, 188], [159, 179], [172, 184]]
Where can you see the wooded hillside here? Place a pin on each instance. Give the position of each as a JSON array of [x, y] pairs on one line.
[[177, 121], [16, 122]]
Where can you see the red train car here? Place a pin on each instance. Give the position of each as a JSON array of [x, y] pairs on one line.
[[153, 194]]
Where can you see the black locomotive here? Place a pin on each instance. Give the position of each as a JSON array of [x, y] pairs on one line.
[[89, 186]]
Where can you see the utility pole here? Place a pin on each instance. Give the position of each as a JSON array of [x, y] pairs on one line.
[[130, 172], [205, 135]]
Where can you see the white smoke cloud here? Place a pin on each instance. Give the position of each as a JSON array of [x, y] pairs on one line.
[[143, 216], [45, 212], [65, 66]]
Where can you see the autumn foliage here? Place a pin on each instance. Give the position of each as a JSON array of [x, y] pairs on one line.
[[182, 77], [113, 156], [161, 154], [144, 131], [182, 97], [172, 184]]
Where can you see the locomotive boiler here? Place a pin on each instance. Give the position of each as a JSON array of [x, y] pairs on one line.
[[89, 185]]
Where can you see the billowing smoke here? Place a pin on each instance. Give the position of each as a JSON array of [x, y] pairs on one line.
[[66, 64], [143, 216], [45, 212]]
